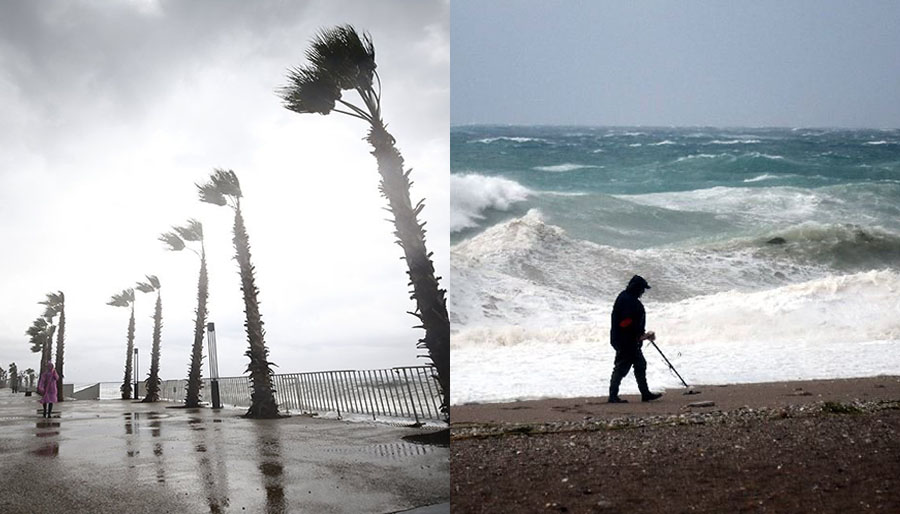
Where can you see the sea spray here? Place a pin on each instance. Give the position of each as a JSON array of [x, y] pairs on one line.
[[473, 194]]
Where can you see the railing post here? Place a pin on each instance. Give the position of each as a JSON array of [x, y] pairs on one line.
[[412, 401]]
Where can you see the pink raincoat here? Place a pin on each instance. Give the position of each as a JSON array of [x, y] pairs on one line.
[[47, 384]]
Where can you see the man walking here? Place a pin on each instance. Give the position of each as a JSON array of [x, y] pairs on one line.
[[627, 336]]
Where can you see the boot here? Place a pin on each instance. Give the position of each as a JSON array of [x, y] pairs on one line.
[[649, 397], [614, 382], [640, 374]]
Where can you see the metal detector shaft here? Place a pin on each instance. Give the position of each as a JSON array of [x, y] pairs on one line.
[[669, 363]]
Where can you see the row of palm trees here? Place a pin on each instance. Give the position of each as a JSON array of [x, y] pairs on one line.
[[339, 59], [223, 188], [13, 377]]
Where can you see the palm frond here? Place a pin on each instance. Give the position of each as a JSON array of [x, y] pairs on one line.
[[345, 56], [221, 183], [192, 231], [209, 194], [309, 91], [226, 182], [171, 240], [123, 299], [39, 326], [53, 304], [38, 334], [146, 287], [153, 281]]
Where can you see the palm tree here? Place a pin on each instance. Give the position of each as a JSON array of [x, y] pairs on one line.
[[30, 374], [223, 188], [40, 335], [152, 284], [340, 60], [13, 376], [175, 241], [3, 377], [126, 299], [56, 305]]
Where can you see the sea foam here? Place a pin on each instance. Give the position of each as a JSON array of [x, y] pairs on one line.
[[562, 168], [471, 195]]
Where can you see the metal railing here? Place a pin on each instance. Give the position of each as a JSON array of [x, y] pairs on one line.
[[404, 392]]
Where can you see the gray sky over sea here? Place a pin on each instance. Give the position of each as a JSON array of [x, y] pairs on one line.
[[688, 63], [112, 110]]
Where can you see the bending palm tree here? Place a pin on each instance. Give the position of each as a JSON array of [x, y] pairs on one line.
[[40, 335], [126, 299], [339, 60], [223, 188], [56, 305], [193, 232], [151, 285]]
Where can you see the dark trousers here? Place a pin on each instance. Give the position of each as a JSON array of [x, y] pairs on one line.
[[626, 357]]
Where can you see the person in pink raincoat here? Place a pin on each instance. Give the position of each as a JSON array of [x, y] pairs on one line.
[[47, 388]]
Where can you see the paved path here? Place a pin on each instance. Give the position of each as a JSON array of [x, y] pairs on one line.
[[126, 457]]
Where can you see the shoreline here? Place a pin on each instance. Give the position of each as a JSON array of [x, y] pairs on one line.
[[674, 401], [805, 446]]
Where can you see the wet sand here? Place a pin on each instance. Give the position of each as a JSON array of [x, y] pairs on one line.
[[121, 456], [812, 446]]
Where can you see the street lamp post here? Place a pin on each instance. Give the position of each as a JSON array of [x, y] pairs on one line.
[[213, 365], [136, 381]]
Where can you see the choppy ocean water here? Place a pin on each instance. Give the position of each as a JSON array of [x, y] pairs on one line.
[[774, 254]]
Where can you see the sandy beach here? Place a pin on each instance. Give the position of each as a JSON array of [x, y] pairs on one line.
[[810, 446]]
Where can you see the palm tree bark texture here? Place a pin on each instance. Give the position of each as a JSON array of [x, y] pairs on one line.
[[430, 300], [192, 397], [263, 398], [126, 299], [60, 345], [153, 378], [176, 241], [126, 384], [222, 187]]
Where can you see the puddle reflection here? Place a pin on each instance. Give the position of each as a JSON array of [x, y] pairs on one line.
[[212, 467], [47, 429], [268, 445]]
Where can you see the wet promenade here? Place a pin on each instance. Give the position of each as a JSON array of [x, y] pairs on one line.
[[123, 456]]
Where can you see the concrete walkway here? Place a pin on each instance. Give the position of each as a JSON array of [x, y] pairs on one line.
[[126, 457]]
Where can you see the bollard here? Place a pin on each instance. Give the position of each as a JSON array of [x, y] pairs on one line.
[[214, 388]]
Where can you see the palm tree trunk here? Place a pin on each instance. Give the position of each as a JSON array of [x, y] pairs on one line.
[[153, 379], [192, 398], [47, 350], [126, 385], [60, 342], [431, 304], [262, 404]]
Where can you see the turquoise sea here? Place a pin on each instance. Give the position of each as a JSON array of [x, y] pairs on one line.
[[753, 239]]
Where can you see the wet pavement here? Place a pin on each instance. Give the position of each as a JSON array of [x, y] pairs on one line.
[[127, 457]]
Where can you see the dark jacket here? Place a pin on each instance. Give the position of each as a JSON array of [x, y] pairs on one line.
[[628, 320]]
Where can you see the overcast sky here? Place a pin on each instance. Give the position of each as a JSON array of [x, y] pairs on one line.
[[112, 110], [688, 63]]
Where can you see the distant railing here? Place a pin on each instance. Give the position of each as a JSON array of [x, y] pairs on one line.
[[405, 392]]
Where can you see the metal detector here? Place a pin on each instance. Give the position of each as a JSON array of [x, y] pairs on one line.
[[690, 389]]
